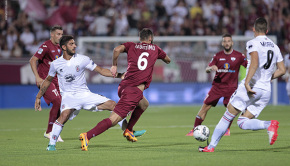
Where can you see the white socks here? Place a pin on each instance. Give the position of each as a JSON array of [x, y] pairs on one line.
[[252, 124], [221, 128], [56, 130]]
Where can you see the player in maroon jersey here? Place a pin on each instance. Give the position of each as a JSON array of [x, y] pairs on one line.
[[226, 64], [141, 58], [40, 63]]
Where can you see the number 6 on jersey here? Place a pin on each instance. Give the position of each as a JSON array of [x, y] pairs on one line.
[[144, 60]]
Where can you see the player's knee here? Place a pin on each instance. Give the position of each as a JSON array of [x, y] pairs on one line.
[[112, 104], [241, 122], [56, 102], [144, 104]]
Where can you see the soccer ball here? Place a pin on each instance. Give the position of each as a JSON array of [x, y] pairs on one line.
[[201, 133]]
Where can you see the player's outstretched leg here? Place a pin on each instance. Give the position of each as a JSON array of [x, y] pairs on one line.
[[272, 131]]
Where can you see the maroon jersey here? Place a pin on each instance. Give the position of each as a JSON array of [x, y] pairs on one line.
[[47, 53], [228, 68], [141, 59]]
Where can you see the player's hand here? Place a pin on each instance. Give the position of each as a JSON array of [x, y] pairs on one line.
[[249, 90], [214, 68], [113, 71], [39, 81], [37, 105], [123, 75]]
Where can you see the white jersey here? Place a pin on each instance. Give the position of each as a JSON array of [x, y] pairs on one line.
[[269, 54], [71, 73]]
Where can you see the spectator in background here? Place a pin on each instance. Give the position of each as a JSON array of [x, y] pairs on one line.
[[11, 37], [100, 26], [27, 38]]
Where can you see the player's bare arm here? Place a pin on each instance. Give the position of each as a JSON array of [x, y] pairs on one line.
[[167, 60], [211, 68], [33, 63], [41, 92], [119, 49], [281, 70], [252, 70], [107, 72]]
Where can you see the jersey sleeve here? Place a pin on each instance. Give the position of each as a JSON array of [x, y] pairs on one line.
[[251, 46], [127, 46], [161, 53], [244, 60], [42, 50], [52, 70], [90, 64], [213, 61], [279, 57]]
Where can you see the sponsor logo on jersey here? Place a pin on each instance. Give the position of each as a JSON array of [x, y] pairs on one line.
[[226, 66], [63, 106], [222, 59], [69, 78], [77, 68], [53, 51], [226, 70], [40, 50], [57, 56], [267, 44], [60, 70], [44, 46], [250, 46], [233, 58]]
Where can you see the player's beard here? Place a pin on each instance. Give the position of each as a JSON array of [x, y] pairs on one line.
[[70, 53], [228, 49]]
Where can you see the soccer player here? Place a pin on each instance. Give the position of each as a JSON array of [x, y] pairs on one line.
[[40, 62], [141, 58], [254, 91], [70, 70], [226, 64]]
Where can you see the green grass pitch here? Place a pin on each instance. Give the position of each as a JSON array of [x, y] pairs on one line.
[[165, 143]]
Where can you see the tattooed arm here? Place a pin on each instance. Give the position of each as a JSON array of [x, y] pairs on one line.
[[43, 87]]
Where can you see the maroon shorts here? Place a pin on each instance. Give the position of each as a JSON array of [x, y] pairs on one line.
[[51, 94], [129, 99], [216, 93]]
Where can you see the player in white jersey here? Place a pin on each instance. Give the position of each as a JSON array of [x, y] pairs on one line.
[[287, 78], [254, 91], [70, 69]]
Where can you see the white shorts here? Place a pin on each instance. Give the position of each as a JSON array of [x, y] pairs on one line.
[[242, 101], [85, 100]]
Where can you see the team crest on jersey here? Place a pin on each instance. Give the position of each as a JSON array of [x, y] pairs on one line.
[[233, 58], [77, 68], [39, 50], [58, 50]]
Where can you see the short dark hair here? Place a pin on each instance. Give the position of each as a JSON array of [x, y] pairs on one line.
[[64, 40], [227, 35], [261, 25], [52, 29], [145, 33]]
